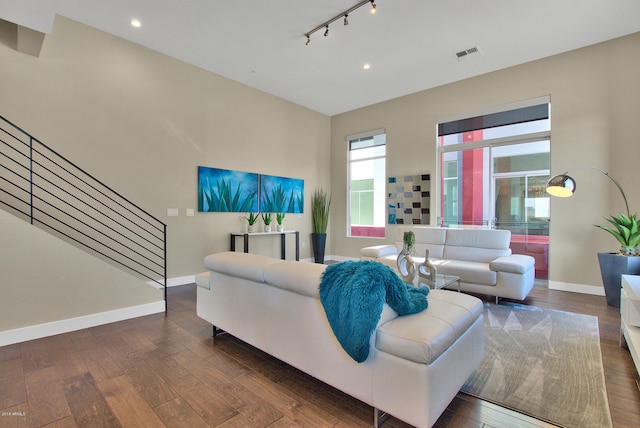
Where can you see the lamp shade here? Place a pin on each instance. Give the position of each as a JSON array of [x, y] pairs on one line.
[[561, 185]]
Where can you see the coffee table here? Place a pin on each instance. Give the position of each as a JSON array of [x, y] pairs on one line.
[[441, 281]]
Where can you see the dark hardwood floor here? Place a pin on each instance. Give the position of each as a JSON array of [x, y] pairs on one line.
[[166, 371]]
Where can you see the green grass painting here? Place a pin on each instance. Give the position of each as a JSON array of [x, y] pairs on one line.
[[222, 190]]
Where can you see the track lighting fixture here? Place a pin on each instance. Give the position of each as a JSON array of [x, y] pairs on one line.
[[344, 15]]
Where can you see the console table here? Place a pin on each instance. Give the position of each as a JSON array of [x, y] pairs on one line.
[[630, 316], [283, 241]]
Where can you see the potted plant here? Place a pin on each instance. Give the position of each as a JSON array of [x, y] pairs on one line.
[[405, 263], [409, 241], [279, 220], [626, 230], [266, 219], [320, 203], [252, 219]]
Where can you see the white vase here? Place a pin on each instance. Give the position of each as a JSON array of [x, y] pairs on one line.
[[251, 228], [267, 228], [406, 266], [427, 271], [280, 227]]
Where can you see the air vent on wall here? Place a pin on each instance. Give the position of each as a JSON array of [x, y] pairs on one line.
[[465, 54]]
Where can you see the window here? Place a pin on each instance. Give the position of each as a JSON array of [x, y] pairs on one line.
[[366, 184], [493, 171]]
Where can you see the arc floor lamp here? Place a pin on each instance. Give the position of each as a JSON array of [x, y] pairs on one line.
[[611, 266], [563, 185]]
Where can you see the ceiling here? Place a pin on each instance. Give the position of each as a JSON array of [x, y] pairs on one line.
[[411, 45]]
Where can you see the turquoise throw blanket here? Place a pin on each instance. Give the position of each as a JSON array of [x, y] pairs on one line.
[[353, 294]]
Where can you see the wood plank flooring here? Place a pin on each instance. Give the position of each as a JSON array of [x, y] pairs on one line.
[[159, 371]]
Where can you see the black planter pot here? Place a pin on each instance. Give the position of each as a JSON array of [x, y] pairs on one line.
[[318, 242], [612, 267]]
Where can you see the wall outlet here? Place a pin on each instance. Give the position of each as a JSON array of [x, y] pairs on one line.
[[172, 212]]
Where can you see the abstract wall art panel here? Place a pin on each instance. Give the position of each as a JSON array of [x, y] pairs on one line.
[[281, 194], [409, 199], [223, 190]]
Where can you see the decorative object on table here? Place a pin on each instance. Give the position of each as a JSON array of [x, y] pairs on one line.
[[405, 263], [252, 219], [612, 265], [409, 199], [281, 194], [427, 271], [223, 190], [266, 219], [320, 204], [279, 221]]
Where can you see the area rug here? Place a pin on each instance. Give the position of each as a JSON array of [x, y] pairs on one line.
[[544, 363]]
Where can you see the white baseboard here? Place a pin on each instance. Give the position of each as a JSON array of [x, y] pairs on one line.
[[174, 282], [24, 334], [576, 288]]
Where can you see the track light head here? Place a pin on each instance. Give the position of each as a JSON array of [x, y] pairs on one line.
[[308, 41], [344, 15]]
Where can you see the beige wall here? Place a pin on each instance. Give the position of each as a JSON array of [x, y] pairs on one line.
[[595, 103], [44, 280], [142, 123]]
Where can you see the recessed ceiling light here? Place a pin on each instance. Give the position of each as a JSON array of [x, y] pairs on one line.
[[136, 23], [366, 66]]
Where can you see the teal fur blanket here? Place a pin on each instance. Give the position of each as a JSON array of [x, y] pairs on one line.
[[353, 294]]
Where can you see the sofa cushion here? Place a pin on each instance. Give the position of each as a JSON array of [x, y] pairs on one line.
[[250, 266], [379, 251], [299, 277], [202, 280], [424, 336], [477, 245], [516, 263], [471, 272], [427, 238]]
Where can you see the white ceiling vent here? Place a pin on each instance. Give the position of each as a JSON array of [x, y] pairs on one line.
[[467, 53]]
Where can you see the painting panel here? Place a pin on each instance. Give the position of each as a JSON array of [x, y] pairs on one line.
[[408, 199], [281, 194], [223, 190]]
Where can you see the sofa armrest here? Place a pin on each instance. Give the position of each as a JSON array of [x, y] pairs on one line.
[[515, 263], [378, 251]]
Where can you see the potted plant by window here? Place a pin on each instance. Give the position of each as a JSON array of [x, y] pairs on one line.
[[626, 229], [320, 203], [266, 219]]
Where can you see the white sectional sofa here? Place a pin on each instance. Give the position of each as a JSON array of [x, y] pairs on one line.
[[480, 257], [416, 363]]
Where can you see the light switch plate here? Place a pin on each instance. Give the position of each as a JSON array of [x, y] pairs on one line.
[[172, 212], [190, 212]]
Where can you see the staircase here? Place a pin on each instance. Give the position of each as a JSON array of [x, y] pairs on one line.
[[45, 189]]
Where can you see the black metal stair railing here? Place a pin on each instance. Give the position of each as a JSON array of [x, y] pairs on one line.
[[44, 188]]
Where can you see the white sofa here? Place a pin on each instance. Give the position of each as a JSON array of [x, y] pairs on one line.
[[416, 363], [480, 257]]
